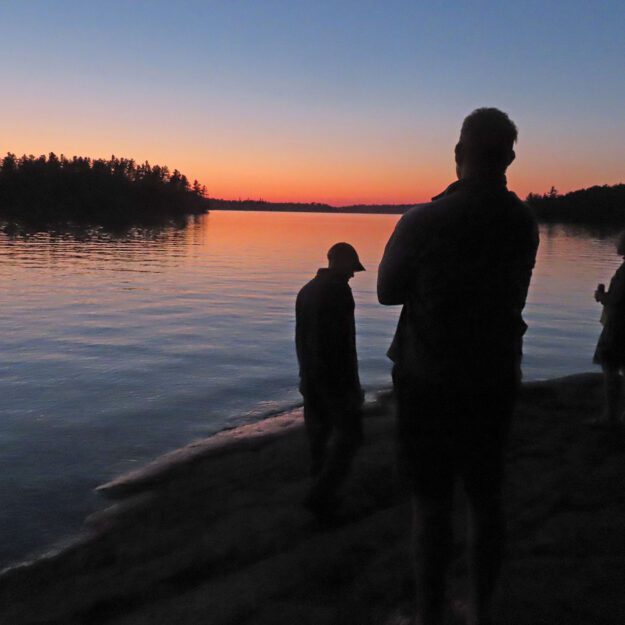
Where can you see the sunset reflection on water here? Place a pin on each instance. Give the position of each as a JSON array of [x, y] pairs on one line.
[[118, 348]]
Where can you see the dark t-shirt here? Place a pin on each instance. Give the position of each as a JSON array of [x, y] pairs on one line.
[[325, 339]]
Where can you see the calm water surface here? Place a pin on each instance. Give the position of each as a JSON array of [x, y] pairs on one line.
[[116, 349]]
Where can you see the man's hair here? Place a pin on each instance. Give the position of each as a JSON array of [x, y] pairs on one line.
[[487, 136]]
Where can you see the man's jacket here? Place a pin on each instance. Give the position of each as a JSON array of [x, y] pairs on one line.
[[325, 339], [461, 267]]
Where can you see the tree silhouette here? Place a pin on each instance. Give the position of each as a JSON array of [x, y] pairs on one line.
[[83, 190], [598, 205]]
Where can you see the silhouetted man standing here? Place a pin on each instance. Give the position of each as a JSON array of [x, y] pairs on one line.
[[325, 338], [461, 267]]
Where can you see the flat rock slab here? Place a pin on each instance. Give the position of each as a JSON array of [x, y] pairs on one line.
[[181, 461], [216, 533]]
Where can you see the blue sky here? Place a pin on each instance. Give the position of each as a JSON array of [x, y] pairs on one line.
[[336, 101]]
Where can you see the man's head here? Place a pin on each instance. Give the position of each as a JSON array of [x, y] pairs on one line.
[[486, 140], [343, 259]]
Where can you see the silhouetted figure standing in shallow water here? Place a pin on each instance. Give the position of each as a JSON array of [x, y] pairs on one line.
[[325, 337], [610, 352], [461, 267]]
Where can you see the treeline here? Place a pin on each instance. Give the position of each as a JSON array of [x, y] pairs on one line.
[[596, 206], [301, 207], [51, 189], [54, 189]]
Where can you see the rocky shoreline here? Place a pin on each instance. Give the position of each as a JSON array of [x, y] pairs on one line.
[[216, 533]]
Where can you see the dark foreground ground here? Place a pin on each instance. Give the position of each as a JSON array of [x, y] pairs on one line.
[[215, 533]]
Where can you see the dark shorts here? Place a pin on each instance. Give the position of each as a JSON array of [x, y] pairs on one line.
[[445, 432]]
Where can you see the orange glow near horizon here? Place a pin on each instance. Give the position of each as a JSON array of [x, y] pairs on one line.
[[341, 176], [345, 186], [334, 162]]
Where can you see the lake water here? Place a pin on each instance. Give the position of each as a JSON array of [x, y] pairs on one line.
[[116, 349]]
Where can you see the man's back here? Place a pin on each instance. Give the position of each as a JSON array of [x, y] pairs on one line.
[[461, 265]]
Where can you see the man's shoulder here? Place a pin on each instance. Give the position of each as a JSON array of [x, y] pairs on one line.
[[307, 293], [309, 286], [428, 215], [520, 205], [422, 213], [522, 212], [321, 288]]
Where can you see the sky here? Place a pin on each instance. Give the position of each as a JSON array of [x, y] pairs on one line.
[[329, 101]]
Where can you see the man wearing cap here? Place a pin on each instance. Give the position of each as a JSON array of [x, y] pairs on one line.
[[461, 267], [325, 339]]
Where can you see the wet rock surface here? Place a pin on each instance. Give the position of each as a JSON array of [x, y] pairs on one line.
[[216, 533]]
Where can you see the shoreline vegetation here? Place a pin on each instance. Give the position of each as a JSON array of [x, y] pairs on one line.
[[216, 532], [595, 206], [46, 191]]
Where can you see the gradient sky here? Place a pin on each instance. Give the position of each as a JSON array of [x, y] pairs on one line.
[[340, 102]]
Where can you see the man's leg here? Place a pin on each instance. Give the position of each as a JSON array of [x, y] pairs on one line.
[[433, 542], [486, 544], [342, 447], [318, 431], [485, 430], [426, 462]]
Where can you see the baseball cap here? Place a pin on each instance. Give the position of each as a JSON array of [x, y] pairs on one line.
[[344, 255]]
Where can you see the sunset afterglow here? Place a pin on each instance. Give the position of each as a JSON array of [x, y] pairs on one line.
[[359, 103]]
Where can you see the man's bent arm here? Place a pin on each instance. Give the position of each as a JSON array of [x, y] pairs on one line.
[[393, 273]]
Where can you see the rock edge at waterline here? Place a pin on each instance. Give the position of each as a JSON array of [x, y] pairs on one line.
[[216, 533]]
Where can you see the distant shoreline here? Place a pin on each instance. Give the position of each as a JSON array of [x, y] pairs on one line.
[[597, 206], [310, 207]]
